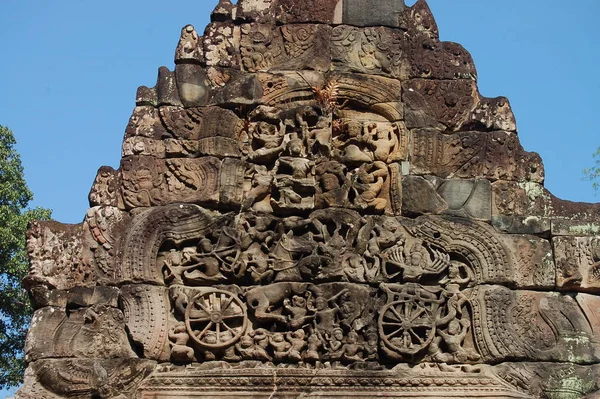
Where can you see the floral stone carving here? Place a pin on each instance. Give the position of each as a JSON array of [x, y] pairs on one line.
[[318, 202]]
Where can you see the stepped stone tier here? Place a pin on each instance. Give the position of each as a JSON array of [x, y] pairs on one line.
[[318, 203]]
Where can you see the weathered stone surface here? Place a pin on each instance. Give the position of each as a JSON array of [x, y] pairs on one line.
[[321, 11], [77, 297], [166, 88], [318, 202], [551, 380], [95, 332], [467, 198], [464, 198], [256, 10], [221, 45], [145, 309], [146, 96], [375, 50], [578, 263], [444, 103], [534, 261], [148, 181], [83, 378], [532, 225], [431, 59], [532, 199], [105, 190], [576, 227], [145, 122], [224, 11], [531, 325], [372, 12], [420, 197], [57, 256], [265, 47], [418, 20], [469, 155], [190, 48], [192, 85]]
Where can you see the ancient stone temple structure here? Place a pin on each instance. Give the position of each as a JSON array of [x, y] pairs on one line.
[[318, 203]]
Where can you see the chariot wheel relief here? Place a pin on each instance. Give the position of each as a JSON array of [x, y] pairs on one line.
[[407, 326], [216, 319]]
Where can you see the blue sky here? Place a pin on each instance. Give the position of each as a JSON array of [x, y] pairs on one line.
[[70, 70]]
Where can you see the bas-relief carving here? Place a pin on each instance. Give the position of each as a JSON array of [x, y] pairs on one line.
[[105, 190], [79, 378], [148, 181], [494, 155], [578, 263], [375, 50], [58, 256], [96, 332], [272, 225], [531, 325], [291, 47]]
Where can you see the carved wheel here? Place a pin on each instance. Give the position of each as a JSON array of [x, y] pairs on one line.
[[407, 326], [216, 319]]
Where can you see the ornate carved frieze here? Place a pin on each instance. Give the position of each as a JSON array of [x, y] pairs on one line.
[[317, 202]]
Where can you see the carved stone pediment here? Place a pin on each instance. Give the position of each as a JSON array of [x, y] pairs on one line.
[[318, 202]]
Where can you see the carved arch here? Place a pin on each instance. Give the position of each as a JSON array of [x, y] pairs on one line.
[[152, 227], [474, 242]]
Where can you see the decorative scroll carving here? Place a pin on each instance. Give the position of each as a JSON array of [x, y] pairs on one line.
[[525, 324]]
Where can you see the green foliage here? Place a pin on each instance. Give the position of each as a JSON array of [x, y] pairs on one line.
[[15, 310], [593, 173]]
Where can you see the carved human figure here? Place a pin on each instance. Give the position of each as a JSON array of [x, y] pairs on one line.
[[259, 265], [297, 340], [454, 274], [293, 178], [352, 350], [329, 191], [245, 347], [385, 142], [315, 342], [210, 338], [297, 309], [259, 195], [371, 345], [335, 343], [229, 353], [267, 142], [180, 351], [145, 187], [318, 139], [371, 52], [172, 267], [368, 183], [325, 316], [357, 270], [453, 339], [261, 343], [280, 346]]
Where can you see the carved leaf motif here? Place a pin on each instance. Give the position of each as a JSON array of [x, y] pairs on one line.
[[298, 39]]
